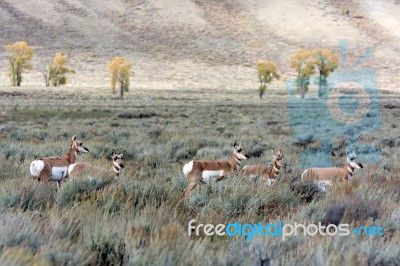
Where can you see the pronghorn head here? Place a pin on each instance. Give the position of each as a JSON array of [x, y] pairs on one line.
[[278, 157], [77, 145], [352, 160], [118, 161], [239, 152]]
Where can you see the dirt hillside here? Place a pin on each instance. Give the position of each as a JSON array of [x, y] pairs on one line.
[[201, 43]]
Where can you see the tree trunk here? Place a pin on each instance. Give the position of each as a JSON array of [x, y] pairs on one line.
[[19, 78], [122, 89], [46, 77], [320, 85]]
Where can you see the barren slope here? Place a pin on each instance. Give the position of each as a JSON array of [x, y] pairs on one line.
[[200, 44]]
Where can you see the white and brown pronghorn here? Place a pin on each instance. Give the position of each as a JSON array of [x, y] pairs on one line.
[[56, 168], [325, 176], [266, 173], [82, 169], [204, 171]]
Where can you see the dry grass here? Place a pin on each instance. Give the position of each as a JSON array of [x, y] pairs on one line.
[[193, 94], [141, 218]]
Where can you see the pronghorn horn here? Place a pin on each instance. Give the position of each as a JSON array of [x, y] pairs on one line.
[[273, 151], [112, 152], [74, 138], [235, 144], [280, 151], [124, 152]]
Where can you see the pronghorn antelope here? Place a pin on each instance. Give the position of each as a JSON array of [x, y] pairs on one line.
[[266, 173], [325, 176], [82, 169], [203, 171], [56, 168]]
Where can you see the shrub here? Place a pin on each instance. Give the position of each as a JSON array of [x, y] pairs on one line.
[[306, 191], [18, 256], [71, 191], [349, 210], [110, 249], [28, 196]]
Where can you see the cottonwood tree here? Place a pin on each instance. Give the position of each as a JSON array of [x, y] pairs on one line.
[[46, 76], [20, 55], [326, 62], [57, 71], [266, 73], [303, 63], [120, 72]]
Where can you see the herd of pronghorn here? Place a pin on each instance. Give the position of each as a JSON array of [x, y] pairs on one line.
[[196, 171]]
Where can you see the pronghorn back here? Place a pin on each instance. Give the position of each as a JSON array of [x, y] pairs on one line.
[[325, 173], [324, 176], [266, 173], [56, 168], [83, 169], [203, 171]]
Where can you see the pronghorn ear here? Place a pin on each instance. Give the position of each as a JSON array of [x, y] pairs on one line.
[[74, 138], [112, 152], [280, 151], [273, 151], [235, 144], [123, 154]]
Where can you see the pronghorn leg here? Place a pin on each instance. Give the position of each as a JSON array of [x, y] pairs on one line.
[[265, 177], [44, 176], [189, 188], [58, 185], [219, 178]]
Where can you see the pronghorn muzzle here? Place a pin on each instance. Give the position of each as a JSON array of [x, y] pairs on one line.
[[82, 148], [360, 166]]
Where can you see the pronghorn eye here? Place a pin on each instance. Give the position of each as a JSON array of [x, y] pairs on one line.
[[80, 144], [239, 150]]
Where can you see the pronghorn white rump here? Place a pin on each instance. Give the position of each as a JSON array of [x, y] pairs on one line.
[[325, 176], [205, 171], [56, 168], [187, 168], [85, 169], [36, 167], [266, 173]]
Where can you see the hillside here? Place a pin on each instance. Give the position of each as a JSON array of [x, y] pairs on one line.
[[199, 44]]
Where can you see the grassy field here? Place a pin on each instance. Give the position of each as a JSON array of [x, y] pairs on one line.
[[141, 218]]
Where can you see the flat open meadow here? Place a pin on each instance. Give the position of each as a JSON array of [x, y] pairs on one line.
[[141, 218]]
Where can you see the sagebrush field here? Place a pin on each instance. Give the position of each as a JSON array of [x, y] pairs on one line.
[[141, 218], [193, 91]]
